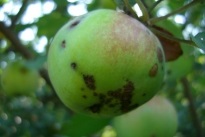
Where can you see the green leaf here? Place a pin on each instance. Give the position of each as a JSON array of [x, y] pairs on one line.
[[121, 4], [81, 125], [36, 63], [199, 40], [48, 25]]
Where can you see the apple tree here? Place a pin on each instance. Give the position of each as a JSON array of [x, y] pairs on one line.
[[102, 68]]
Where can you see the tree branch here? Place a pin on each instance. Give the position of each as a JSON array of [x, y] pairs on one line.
[[16, 43], [172, 37], [192, 108], [19, 14], [129, 9], [145, 15], [153, 21]]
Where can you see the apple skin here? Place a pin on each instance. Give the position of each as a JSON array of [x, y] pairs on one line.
[[18, 79], [105, 63], [156, 118]]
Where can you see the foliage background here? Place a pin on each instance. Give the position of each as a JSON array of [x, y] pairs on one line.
[[25, 33]]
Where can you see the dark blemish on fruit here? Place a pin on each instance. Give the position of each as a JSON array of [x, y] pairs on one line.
[[111, 105], [121, 96], [144, 94], [73, 65], [115, 94], [63, 44], [82, 89], [129, 87], [74, 24], [84, 96], [131, 107], [153, 71], [89, 81], [126, 96], [159, 55], [96, 108]]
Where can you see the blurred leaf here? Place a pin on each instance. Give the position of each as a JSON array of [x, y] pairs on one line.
[[36, 63], [195, 15], [172, 49], [48, 25], [172, 27], [81, 125], [180, 68], [174, 4], [94, 5], [121, 4], [199, 40]]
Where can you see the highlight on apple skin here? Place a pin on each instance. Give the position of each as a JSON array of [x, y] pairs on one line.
[[105, 63]]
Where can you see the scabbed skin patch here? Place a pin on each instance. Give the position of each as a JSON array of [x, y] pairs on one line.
[[105, 63]]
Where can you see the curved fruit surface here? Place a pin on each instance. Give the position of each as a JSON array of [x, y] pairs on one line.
[[17, 79], [156, 118], [105, 63]]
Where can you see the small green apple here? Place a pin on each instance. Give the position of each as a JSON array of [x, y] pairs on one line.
[[105, 63], [156, 118], [17, 79]]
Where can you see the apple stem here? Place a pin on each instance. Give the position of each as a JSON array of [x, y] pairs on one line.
[[145, 14], [129, 8], [192, 108], [154, 20], [189, 42]]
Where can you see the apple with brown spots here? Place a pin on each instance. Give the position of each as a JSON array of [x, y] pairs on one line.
[[105, 63]]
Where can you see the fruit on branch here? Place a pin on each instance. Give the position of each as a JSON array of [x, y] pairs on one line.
[[105, 63], [18, 79], [156, 118]]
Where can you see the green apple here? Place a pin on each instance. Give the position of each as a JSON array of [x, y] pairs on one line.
[[18, 79], [105, 63], [156, 118]]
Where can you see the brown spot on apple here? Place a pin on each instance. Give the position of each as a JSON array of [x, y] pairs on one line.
[[73, 65], [74, 24], [63, 44], [95, 108], [89, 81], [153, 71], [128, 87]]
